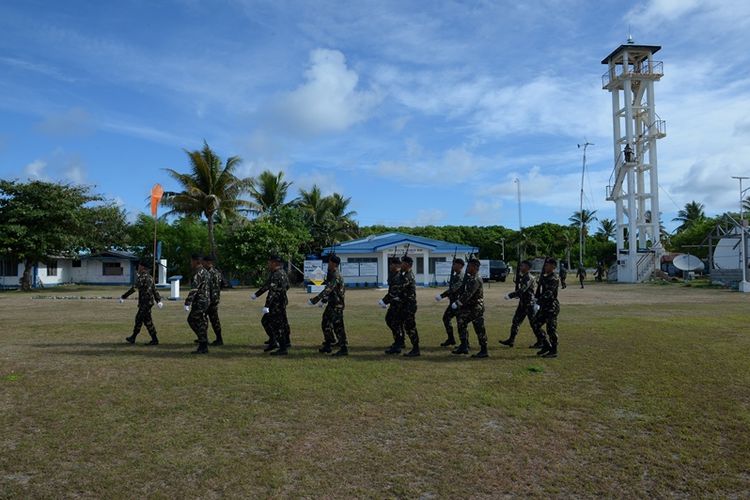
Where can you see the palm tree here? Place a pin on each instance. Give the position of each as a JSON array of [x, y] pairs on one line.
[[328, 217], [209, 190], [746, 204], [582, 219], [607, 229], [663, 234], [692, 213], [269, 192], [342, 218]]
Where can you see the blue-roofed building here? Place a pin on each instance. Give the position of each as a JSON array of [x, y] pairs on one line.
[[364, 262]]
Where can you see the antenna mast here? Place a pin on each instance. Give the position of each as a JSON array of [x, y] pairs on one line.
[[585, 145]]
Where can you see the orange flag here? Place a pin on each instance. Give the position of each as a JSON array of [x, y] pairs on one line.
[[156, 193]]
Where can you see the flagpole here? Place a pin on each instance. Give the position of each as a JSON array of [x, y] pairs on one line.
[[156, 193], [154, 266]]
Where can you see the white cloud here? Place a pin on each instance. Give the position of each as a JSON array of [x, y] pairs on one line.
[[427, 217], [76, 173], [485, 211], [329, 100], [71, 122], [35, 170], [455, 165]]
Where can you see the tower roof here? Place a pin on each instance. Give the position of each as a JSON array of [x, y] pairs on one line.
[[631, 47]]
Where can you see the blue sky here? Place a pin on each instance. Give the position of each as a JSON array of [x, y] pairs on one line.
[[421, 112]]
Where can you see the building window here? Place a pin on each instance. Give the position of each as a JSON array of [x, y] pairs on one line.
[[77, 263], [8, 266], [361, 259], [112, 269], [52, 268], [433, 260], [420, 265]]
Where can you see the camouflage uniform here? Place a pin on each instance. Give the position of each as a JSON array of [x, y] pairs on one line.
[[393, 314], [407, 311], [214, 293], [275, 323], [546, 296], [525, 308], [333, 316], [452, 293], [563, 276], [147, 297], [199, 300], [471, 310]]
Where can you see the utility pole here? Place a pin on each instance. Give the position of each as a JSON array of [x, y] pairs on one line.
[[744, 285], [585, 145]]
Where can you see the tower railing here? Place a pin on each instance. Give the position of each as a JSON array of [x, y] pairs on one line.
[[645, 68]]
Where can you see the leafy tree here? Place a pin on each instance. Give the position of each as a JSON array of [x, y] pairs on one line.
[[584, 217], [39, 219], [328, 217], [690, 239], [269, 192], [106, 228], [607, 229], [690, 215], [209, 190]]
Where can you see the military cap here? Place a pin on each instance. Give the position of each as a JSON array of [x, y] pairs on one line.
[[208, 258], [528, 263], [475, 262], [275, 258], [196, 256], [458, 261], [145, 263], [332, 258], [551, 261], [394, 261], [408, 260]]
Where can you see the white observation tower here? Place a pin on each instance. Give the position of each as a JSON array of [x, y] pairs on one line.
[[634, 183]]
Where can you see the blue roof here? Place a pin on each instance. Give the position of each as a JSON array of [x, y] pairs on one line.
[[380, 242]]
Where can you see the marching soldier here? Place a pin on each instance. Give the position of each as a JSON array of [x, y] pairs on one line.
[[526, 305], [563, 275], [392, 302], [470, 308], [332, 295], [549, 309], [275, 321], [147, 296], [408, 300], [197, 303], [581, 274], [452, 293], [214, 293]]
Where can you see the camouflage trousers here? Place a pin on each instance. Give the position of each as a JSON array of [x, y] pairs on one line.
[[448, 316], [199, 322], [474, 317], [392, 316], [333, 326], [547, 316], [407, 318], [143, 318], [213, 316], [276, 326], [523, 311]]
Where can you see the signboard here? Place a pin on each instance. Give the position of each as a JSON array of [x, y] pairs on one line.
[[314, 272], [368, 269], [400, 249], [443, 268], [350, 269], [484, 269]]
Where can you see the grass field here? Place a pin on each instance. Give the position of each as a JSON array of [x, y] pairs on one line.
[[650, 397]]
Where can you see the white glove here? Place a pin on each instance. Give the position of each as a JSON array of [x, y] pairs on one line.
[[438, 298], [253, 297], [160, 305], [382, 304], [536, 308], [266, 310], [310, 302], [187, 308], [507, 296], [454, 305], [320, 304], [122, 301]]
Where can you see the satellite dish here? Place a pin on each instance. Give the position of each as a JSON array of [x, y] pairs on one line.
[[687, 262]]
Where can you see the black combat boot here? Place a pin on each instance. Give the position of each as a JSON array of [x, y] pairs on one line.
[[482, 352], [539, 344], [461, 349], [394, 349], [196, 341], [202, 348], [450, 341], [552, 352], [282, 351], [344, 351], [218, 341], [130, 340], [154, 341], [413, 353], [510, 342], [325, 348], [546, 347], [271, 347]]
